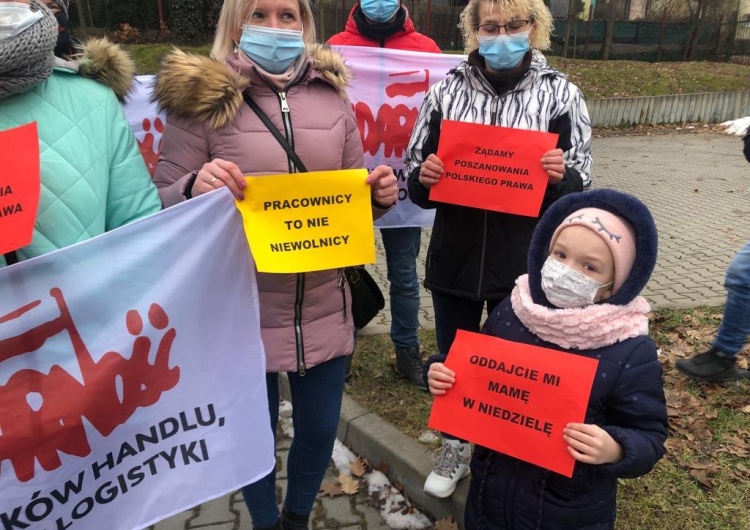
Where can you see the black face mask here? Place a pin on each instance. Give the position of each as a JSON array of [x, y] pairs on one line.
[[63, 47]]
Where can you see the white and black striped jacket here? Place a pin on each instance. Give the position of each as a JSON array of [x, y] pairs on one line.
[[475, 253]]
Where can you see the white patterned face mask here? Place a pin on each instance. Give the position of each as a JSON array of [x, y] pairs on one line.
[[16, 17], [565, 287]]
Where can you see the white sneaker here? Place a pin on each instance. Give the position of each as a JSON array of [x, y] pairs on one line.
[[451, 465]]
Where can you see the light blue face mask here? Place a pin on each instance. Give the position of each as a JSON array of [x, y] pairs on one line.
[[503, 52], [379, 10], [274, 50]]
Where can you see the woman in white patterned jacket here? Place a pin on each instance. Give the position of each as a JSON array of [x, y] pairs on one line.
[[476, 255]]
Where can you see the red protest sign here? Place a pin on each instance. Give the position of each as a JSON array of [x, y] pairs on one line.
[[19, 186], [514, 398], [492, 168]]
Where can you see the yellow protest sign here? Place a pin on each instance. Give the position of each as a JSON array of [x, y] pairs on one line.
[[303, 222]]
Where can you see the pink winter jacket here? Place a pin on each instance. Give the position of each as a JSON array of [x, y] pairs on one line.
[[305, 318]]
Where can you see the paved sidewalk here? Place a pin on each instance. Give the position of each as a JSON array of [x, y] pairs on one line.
[[330, 513], [697, 188]]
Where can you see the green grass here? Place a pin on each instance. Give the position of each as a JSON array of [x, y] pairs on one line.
[[610, 79], [597, 79], [704, 481]]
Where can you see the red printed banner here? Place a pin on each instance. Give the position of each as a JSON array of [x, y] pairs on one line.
[[492, 168], [514, 398], [19, 186]]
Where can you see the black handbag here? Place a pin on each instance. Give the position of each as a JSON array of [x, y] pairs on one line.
[[367, 299]]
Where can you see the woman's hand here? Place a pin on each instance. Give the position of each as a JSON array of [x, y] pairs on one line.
[[591, 444], [440, 379], [216, 174], [383, 186], [431, 171], [553, 162]]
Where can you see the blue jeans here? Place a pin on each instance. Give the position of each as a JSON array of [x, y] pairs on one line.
[[735, 326], [316, 405], [401, 251]]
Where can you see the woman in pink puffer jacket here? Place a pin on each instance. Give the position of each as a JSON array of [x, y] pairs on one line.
[[212, 138]]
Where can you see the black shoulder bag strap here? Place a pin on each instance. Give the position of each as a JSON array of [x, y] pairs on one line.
[[276, 133]]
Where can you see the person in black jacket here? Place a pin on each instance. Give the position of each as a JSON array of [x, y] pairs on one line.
[[475, 255], [719, 363], [590, 256], [67, 46]]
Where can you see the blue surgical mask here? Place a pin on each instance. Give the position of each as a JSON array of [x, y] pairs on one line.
[[379, 10], [503, 52], [274, 50]]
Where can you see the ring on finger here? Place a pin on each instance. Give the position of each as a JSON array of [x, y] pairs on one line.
[[213, 179]]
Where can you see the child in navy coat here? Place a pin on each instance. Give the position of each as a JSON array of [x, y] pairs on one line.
[[590, 256]]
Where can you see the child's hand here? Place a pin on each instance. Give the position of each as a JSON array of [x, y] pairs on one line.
[[440, 379], [591, 444]]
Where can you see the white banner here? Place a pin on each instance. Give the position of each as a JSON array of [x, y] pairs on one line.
[[132, 374], [387, 90]]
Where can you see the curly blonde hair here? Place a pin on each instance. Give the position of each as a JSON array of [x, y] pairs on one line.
[[507, 9], [235, 13]]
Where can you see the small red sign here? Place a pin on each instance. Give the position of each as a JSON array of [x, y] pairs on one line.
[[492, 168], [514, 398], [19, 186]]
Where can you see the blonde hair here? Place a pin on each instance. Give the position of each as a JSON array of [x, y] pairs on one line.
[[235, 13], [539, 13]]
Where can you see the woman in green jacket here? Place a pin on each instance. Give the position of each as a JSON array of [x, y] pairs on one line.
[[93, 178]]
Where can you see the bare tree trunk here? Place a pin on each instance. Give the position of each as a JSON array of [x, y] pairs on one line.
[[91, 16], [588, 33], [695, 26], [83, 27], [568, 23], [662, 27], [610, 31]]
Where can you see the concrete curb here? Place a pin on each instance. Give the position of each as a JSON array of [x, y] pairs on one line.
[[409, 462]]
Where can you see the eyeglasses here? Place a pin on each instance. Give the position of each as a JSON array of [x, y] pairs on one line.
[[511, 28]]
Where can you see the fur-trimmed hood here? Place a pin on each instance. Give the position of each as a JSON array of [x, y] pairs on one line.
[[106, 62], [202, 89], [621, 204]]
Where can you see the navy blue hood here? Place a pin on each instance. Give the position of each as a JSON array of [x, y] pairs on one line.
[[622, 204]]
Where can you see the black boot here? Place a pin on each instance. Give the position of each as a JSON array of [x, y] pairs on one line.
[[293, 521], [711, 366], [409, 365]]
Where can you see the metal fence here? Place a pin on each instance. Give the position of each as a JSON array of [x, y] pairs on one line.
[[642, 40]]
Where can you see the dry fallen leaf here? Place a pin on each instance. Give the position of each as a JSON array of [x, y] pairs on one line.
[[384, 467], [746, 409], [359, 467], [702, 477], [349, 485], [331, 489], [447, 523]]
